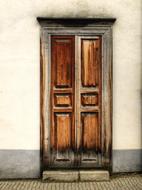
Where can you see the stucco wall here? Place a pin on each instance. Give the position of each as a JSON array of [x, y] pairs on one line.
[[19, 68]]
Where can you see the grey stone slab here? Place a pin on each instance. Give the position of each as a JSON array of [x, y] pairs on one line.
[[63, 176], [19, 164], [94, 175], [127, 160]]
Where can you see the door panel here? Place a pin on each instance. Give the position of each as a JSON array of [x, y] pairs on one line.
[[89, 96], [89, 99], [90, 139], [90, 62], [62, 130], [61, 100], [63, 62], [63, 135]]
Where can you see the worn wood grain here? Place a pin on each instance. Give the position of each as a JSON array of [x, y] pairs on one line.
[[89, 109], [62, 105], [89, 99], [89, 62], [62, 100]]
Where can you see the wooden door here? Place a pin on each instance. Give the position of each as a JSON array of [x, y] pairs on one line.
[[75, 130], [88, 108], [76, 93], [62, 101]]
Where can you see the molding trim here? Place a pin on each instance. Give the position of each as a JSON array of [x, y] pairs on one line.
[[75, 21]]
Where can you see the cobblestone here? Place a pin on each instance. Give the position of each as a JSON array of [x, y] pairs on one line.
[[124, 182]]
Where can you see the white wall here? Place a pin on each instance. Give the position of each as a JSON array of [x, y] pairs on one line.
[[19, 67]]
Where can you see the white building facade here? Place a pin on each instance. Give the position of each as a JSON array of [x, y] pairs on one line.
[[20, 80]]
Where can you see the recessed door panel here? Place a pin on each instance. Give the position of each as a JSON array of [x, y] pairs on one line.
[[90, 138], [90, 62], [62, 59], [63, 123], [89, 99], [63, 131], [90, 129], [62, 100]]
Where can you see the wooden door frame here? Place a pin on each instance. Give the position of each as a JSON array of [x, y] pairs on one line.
[[81, 27]]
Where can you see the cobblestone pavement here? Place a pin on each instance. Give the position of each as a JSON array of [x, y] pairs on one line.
[[125, 182]]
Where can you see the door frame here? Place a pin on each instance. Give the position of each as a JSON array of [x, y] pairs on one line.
[[80, 27]]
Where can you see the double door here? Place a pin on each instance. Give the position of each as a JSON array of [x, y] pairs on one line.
[[75, 102]]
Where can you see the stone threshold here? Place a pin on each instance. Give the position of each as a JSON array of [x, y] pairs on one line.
[[75, 175]]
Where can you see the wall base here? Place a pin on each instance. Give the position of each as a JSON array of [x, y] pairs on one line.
[[26, 163], [127, 160], [19, 164]]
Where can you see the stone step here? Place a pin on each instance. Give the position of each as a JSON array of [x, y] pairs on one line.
[[68, 176], [75, 175], [94, 175]]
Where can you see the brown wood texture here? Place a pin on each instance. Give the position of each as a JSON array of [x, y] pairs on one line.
[[90, 62], [62, 100], [89, 99], [62, 129], [44, 108], [90, 131], [89, 111], [63, 63]]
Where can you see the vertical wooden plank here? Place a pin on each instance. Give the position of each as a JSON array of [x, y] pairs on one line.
[[77, 95], [44, 97], [107, 100]]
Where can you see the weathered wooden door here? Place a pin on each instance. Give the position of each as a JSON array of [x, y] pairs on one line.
[[88, 101], [75, 130], [76, 93], [62, 101]]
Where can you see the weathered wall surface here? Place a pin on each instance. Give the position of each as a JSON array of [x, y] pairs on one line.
[[19, 79]]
